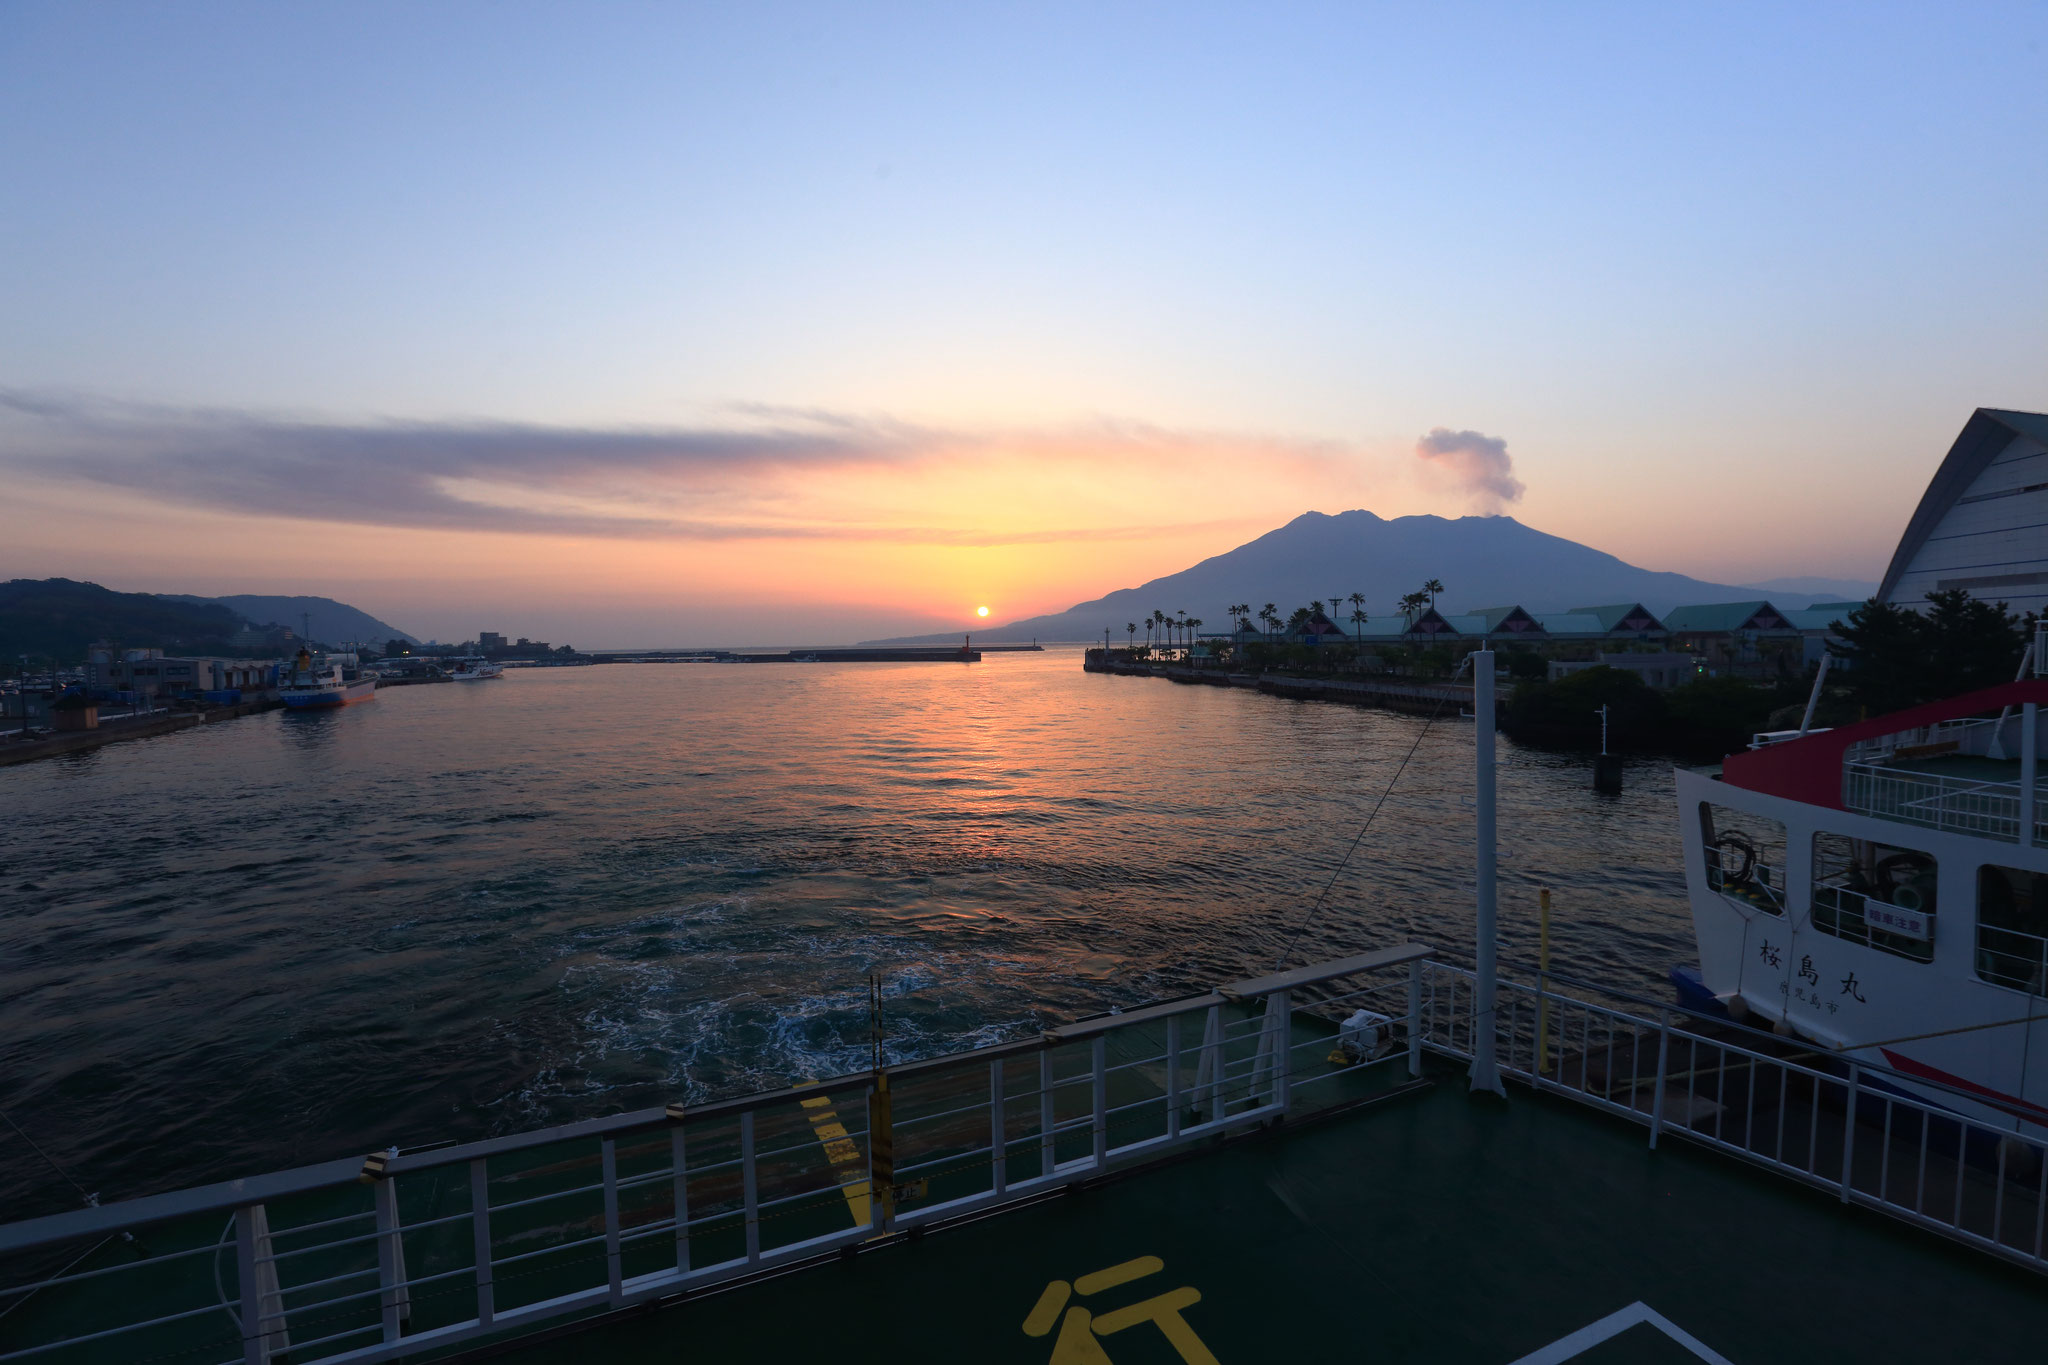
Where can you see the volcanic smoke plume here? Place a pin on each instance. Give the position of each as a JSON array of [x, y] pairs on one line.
[[1478, 466]]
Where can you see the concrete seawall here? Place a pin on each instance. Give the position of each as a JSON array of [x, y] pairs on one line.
[[1444, 699], [117, 730]]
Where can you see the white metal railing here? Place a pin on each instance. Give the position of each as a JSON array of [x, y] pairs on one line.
[[1844, 1126], [1849, 914], [1971, 735], [358, 1261], [1961, 805], [2011, 957]]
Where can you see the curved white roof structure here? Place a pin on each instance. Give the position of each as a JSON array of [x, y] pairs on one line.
[[1982, 524]]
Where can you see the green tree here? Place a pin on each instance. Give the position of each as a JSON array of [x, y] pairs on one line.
[[1896, 657], [1970, 644], [1883, 647]]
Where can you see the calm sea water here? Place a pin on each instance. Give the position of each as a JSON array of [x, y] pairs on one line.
[[471, 909]]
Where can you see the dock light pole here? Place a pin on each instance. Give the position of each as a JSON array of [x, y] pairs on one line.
[[1485, 1072]]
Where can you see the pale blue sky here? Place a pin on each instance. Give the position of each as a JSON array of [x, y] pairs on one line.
[[1755, 260]]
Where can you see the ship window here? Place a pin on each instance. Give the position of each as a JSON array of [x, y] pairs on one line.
[[1745, 856], [1874, 893], [2012, 928]]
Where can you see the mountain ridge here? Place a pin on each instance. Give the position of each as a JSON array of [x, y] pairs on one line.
[[332, 622], [1484, 562]]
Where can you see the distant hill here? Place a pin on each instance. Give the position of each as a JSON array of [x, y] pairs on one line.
[[1823, 589], [333, 622], [1483, 562], [59, 618]]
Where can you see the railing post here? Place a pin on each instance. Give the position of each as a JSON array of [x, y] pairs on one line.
[[2029, 772], [1280, 1028], [1543, 977], [999, 1149], [1849, 1133], [1663, 1063], [680, 1168], [1099, 1057], [260, 1301], [396, 1300], [750, 1185], [480, 1238], [609, 1157], [1048, 1149], [1172, 1077], [1213, 1057], [1415, 1018]]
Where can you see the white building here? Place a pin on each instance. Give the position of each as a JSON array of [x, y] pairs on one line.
[[1982, 525]]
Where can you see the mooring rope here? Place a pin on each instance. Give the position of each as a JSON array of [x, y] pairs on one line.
[[87, 1195], [1314, 909]]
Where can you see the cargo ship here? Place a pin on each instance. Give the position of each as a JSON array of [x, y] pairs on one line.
[[325, 682]]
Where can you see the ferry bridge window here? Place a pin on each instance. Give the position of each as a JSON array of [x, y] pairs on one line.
[[1745, 856], [2012, 928], [1875, 893]]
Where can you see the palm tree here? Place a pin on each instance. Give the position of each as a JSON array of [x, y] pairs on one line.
[[1433, 587], [1412, 604], [1131, 629], [1183, 629]]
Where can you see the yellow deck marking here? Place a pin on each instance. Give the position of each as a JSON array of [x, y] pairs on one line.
[[1047, 1310], [841, 1150], [1163, 1312], [1119, 1274], [1076, 1344]]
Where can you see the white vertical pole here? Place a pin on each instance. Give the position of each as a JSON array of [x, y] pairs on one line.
[[1100, 1057], [396, 1302], [1485, 1074], [1048, 1150], [1280, 1027], [1172, 1076], [680, 1168], [1415, 1017], [750, 1184], [608, 1155], [998, 1127], [480, 1239], [2030, 764]]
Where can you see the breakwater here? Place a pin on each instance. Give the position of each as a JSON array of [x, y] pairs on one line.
[[1413, 698], [114, 729], [864, 656]]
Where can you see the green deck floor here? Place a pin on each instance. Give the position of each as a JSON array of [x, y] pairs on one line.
[[1427, 1227]]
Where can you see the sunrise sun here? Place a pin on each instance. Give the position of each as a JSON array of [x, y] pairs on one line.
[[981, 611]]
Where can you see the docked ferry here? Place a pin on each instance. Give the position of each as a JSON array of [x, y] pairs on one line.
[[1880, 890], [329, 681]]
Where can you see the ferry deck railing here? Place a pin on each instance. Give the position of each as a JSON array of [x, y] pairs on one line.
[[1959, 805], [406, 1252], [367, 1260], [1844, 1126]]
